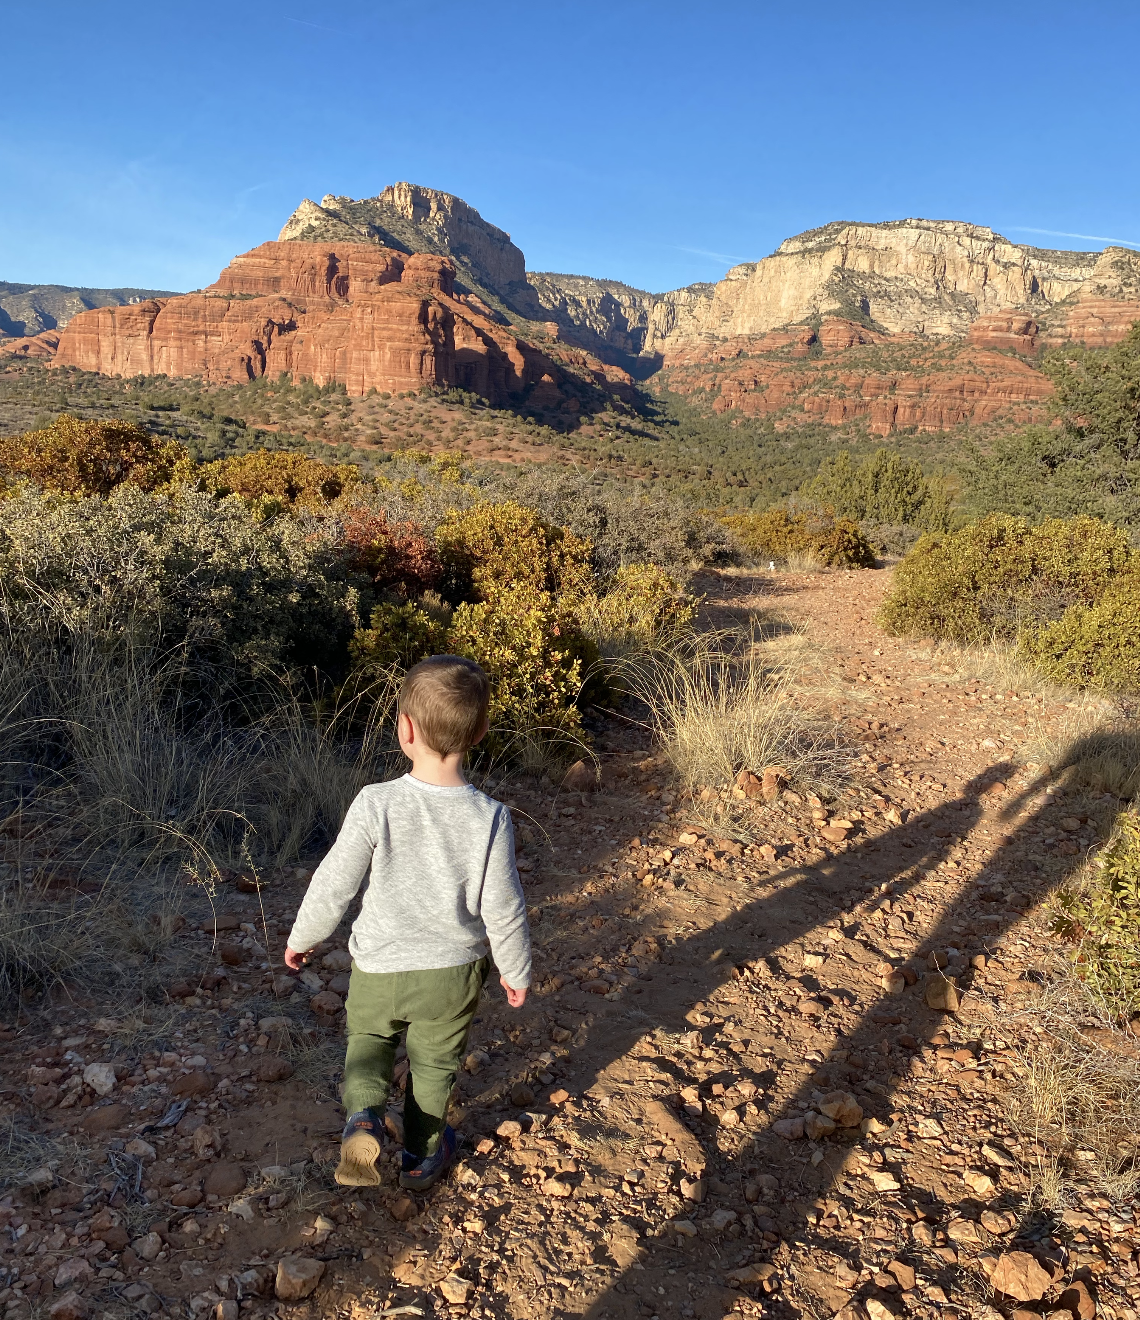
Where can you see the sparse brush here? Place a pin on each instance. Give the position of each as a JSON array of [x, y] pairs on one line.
[[1078, 1095], [718, 704]]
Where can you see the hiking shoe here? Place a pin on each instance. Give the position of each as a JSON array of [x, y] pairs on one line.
[[418, 1176], [359, 1150]]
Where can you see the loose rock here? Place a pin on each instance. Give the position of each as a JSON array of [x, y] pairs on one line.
[[297, 1277], [224, 1180], [1021, 1276], [71, 1306], [100, 1077]]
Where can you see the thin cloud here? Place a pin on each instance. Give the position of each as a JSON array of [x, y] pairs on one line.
[[320, 28], [1064, 233], [714, 256]]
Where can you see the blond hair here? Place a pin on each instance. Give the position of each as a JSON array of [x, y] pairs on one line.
[[446, 697]]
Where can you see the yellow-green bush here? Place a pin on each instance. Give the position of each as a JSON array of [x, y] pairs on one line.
[[82, 457], [530, 646], [1103, 918], [494, 545], [273, 480], [1095, 645], [777, 534], [643, 605], [1001, 576], [397, 635]]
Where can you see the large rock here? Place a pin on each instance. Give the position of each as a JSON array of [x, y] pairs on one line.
[[1021, 1276], [297, 1277], [224, 1180]]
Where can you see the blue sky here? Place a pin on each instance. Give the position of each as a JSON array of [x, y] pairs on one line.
[[656, 143]]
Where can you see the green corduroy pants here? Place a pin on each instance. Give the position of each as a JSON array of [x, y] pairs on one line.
[[435, 1007]]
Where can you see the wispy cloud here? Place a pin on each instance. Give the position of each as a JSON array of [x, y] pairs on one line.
[[319, 26], [1064, 233], [713, 256]]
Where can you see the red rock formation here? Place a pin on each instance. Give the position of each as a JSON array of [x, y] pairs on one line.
[[42, 345], [362, 315], [913, 383], [1092, 321], [1005, 329]]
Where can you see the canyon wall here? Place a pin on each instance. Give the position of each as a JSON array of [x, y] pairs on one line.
[[366, 316]]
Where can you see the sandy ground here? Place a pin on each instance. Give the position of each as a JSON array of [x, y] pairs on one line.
[[728, 1093]]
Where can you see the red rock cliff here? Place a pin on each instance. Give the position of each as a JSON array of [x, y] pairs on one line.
[[363, 315]]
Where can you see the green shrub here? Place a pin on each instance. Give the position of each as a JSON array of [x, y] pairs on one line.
[[1103, 918], [886, 490], [817, 534], [397, 636], [1095, 645], [81, 457], [272, 480], [643, 606], [172, 570], [998, 576], [488, 546], [529, 644]]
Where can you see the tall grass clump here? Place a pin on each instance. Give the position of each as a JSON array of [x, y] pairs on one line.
[[718, 704]]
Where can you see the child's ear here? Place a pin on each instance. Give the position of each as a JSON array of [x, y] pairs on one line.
[[482, 731]]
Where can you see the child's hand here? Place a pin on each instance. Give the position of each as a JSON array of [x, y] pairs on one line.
[[295, 960], [516, 998]]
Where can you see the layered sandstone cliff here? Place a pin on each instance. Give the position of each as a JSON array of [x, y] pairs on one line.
[[363, 315]]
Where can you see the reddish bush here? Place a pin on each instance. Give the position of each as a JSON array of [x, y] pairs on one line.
[[396, 556]]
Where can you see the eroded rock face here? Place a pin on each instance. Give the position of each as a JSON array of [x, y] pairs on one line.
[[363, 315]]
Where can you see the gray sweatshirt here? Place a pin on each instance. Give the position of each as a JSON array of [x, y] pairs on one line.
[[444, 884]]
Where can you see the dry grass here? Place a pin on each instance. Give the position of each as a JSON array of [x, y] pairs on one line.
[[1078, 1098], [723, 702]]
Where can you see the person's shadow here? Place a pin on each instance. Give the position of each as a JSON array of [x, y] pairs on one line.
[[884, 1034]]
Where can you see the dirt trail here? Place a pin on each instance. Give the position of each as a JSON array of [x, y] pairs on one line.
[[729, 1092]]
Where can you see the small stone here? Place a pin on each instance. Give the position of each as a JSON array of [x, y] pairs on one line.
[[693, 1189], [71, 1306], [559, 1097], [141, 1150], [817, 1126], [1021, 1276], [297, 1277], [100, 1077], [843, 1108], [721, 1218], [147, 1247], [811, 1008], [904, 1274], [272, 1068], [403, 1208], [834, 833], [791, 1129], [207, 1139], [686, 839], [872, 1127], [187, 1199], [997, 1224], [224, 1180], [596, 987], [1078, 1301], [556, 1187], [73, 1271], [227, 1310], [475, 1060], [510, 1130], [339, 960], [981, 1184], [192, 1084], [521, 1095], [884, 1182], [963, 1230], [877, 1310], [456, 1289], [682, 1227], [580, 778], [894, 984], [941, 993], [326, 1004]]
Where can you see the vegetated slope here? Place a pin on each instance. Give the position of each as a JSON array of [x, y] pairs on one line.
[[29, 309]]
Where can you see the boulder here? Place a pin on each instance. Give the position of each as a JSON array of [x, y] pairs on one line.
[[297, 1277]]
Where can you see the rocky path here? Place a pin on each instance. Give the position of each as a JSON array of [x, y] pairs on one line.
[[773, 1063]]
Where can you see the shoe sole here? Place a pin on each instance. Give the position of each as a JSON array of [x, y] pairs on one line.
[[358, 1156]]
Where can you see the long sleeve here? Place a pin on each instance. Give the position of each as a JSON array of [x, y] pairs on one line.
[[503, 907], [338, 878]]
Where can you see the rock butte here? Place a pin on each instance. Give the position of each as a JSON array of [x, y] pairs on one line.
[[911, 323]]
